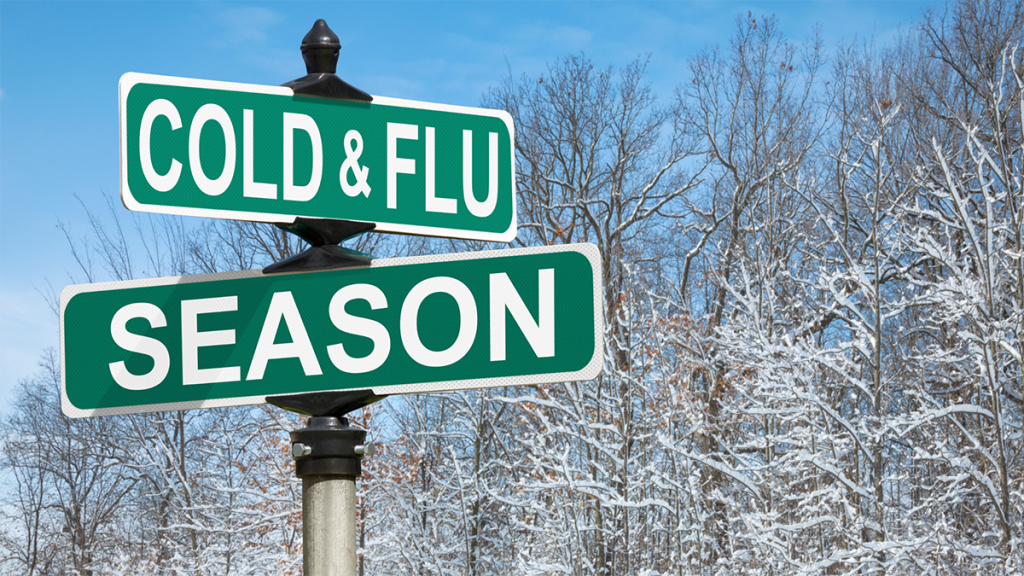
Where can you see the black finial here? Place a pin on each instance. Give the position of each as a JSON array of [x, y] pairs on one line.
[[320, 35], [320, 49]]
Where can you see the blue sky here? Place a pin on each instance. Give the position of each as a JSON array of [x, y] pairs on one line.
[[60, 63]]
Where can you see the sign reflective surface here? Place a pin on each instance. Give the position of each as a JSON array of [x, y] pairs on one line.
[[260, 153], [453, 321]]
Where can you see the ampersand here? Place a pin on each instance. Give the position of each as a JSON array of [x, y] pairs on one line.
[[351, 163]]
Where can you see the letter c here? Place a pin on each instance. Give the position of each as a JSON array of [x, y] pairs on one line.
[[161, 107]]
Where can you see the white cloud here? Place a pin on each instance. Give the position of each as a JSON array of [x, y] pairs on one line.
[[559, 37], [246, 24], [571, 36], [251, 34], [395, 86]]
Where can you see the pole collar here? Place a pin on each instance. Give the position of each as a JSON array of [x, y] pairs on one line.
[[328, 446]]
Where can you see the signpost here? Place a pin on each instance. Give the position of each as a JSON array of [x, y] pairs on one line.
[[264, 154], [431, 323], [326, 161]]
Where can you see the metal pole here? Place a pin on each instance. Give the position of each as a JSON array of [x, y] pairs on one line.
[[329, 526], [327, 451], [328, 455]]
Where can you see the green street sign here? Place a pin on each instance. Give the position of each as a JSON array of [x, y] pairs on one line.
[[402, 325], [260, 153]]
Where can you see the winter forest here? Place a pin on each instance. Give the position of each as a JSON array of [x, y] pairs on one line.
[[813, 261]]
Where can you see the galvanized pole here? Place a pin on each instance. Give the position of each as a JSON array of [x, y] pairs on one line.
[[329, 526], [328, 454]]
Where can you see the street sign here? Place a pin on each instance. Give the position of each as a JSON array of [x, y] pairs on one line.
[[402, 325], [261, 153]]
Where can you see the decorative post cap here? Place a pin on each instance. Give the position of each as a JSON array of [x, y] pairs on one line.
[[320, 49], [320, 36]]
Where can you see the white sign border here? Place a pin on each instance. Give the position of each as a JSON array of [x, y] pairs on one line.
[[130, 79], [588, 372]]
